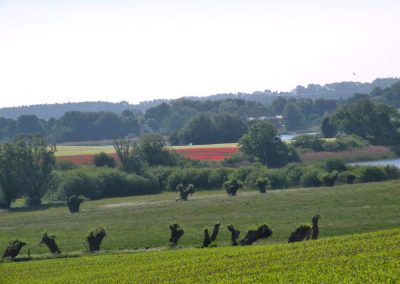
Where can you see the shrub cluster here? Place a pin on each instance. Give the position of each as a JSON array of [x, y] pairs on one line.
[[95, 183], [328, 173], [317, 144]]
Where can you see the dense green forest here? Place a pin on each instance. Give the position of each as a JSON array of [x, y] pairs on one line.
[[208, 121], [340, 90]]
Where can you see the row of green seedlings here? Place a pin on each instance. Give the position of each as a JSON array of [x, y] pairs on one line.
[[95, 237], [93, 241]]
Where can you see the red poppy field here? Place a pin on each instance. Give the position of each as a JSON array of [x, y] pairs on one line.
[[84, 155]]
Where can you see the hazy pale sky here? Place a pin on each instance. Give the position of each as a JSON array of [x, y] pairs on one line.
[[60, 51]]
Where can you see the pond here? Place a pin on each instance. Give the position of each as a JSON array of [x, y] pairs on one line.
[[288, 137], [385, 162]]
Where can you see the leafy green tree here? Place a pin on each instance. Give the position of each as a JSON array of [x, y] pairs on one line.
[[306, 141], [151, 148], [328, 129], [103, 160], [26, 165], [377, 123], [128, 154], [294, 118], [230, 128], [263, 143], [199, 130]]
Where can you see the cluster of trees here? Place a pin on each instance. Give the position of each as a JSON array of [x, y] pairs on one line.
[[172, 116], [73, 126], [26, 165], [373, 121], [206, 129], [257, 176], [316, 143]]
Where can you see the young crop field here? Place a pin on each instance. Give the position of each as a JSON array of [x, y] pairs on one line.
[[84, 154], [359, 258], [142, 221]]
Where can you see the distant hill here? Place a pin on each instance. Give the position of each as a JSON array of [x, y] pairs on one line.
[[336, 91], [328, 91], [46, 111]]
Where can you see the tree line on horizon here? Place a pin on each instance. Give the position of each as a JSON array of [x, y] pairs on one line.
[[188, 121]]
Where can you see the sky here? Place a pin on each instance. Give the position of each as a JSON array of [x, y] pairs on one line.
[[70, 51]]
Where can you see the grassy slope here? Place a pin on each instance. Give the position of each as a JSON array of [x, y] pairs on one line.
[[143, 221], [364, 258]]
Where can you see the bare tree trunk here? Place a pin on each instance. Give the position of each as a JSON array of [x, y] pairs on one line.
[[234, 235], [315, 228]]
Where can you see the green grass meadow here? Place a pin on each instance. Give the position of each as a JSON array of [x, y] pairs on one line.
[[363, 258], [142, 221]]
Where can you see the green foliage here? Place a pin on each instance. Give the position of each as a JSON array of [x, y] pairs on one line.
[[312, 142], [262, 184], [328, 179], [294, 117], [345, 142], [371, 174], [377, 123], [50, 242], [184, 192], [103, 160], [26, 165], [328, 129], [301, 233], [96, 183], [206, 129], [94, 239], [74, 203], [335, 164], [373, 256], [176, 233], [13, 249], [311, 177], [65, 165], [232, 186], [127, 219], [129, 156], [263, 143]]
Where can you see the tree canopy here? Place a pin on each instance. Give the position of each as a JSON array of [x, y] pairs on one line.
[[375, 122], [263, 143]]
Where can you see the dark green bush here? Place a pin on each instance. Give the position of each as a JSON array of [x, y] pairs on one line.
[[103, 160], [391, 172], [277, 178], [335, 164], [232, 186], [371, 174], [347, 177], [293, 174], [65, 165], [312, 142], [329, 178], [96, 183], [311, 177], [262, 184], [345, 142]]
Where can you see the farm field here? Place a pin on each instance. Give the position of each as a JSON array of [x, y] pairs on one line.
[[217, 152], [142, 221], [359, 258]]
